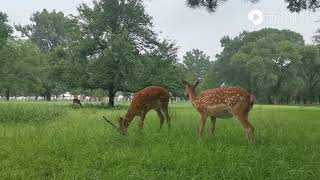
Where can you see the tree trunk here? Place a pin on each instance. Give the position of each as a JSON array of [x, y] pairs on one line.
[[270, 100], [48, 96], [112, 94], [36, 97], [288, 99], [7, 95], [305, 100]]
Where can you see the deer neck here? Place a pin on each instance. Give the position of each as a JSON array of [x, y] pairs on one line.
[[129, 116], [192, 94]]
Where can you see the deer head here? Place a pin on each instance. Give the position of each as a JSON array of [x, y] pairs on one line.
[[123, 125], [122, 129], [189, 88]]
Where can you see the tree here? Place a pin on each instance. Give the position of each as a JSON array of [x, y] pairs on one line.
[[292, 5], [116, 34], [48, 29], [212, 78], [5, 29], [114, 67], [9, 70], [197, 62], [20, 68], [260, 61], [52, 33], [161, 68], [310, 67]]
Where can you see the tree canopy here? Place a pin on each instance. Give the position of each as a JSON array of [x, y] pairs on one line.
[[52, 33], [118, 41], [197, 63], [111, 47], [292, 5], [269, 63], [5, 29]]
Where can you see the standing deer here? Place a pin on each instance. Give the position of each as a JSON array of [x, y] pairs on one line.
[[152, 97], [224, 102]]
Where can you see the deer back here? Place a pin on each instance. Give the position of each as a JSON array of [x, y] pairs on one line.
[[222, 99], [149, 98]]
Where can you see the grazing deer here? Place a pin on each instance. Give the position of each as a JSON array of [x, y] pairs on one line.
[[224, 102], [153, 97], [76, 102]]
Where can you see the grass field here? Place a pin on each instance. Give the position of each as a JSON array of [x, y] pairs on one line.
[[40, 140]]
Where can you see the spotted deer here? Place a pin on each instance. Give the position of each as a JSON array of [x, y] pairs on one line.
[[224, 102], [151, 98]]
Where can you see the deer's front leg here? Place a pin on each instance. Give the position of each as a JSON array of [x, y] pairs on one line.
[[161, 117], [213, 124], [202, 122], [142, 116]]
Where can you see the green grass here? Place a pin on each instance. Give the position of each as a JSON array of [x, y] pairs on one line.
[[40, 140]]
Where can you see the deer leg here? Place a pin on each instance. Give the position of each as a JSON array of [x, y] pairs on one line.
[[166, 114], [202, 122], [142, 116], [213, 124], [249, 130], [161, 117]]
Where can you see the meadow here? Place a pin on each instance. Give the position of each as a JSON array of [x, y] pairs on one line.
[[55, 140]]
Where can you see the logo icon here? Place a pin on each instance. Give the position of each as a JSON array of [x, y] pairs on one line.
[[256, 17]]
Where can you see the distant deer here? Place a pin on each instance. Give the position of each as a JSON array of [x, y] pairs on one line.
[[153, 97], [76, 102], [223, 102]]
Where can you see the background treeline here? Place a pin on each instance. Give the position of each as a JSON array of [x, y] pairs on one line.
[[111, 47]]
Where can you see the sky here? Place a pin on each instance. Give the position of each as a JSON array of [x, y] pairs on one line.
[[191, 28]]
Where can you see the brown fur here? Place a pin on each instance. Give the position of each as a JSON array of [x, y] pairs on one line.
[[224, 102], [153, 97]]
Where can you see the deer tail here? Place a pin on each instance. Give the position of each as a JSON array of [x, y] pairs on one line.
[[252, 100]]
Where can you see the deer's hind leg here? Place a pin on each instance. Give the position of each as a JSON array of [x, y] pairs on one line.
[[161, 117]]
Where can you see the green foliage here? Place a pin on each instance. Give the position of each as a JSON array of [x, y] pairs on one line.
[[160, 68], [111, 47], [197, 63], [116, 66], [47, 29], [120, 47], [54, 34], [20, 68], [262, 62], [79, 144], [292, 5], [309, 67], [5, 29]]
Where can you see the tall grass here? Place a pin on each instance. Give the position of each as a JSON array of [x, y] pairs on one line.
[[23, 112], [78, 144]]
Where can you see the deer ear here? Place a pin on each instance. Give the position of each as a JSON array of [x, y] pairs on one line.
[[196, 83], [184, 82]]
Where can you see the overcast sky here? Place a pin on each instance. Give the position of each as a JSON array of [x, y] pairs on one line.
[[190, 28]]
